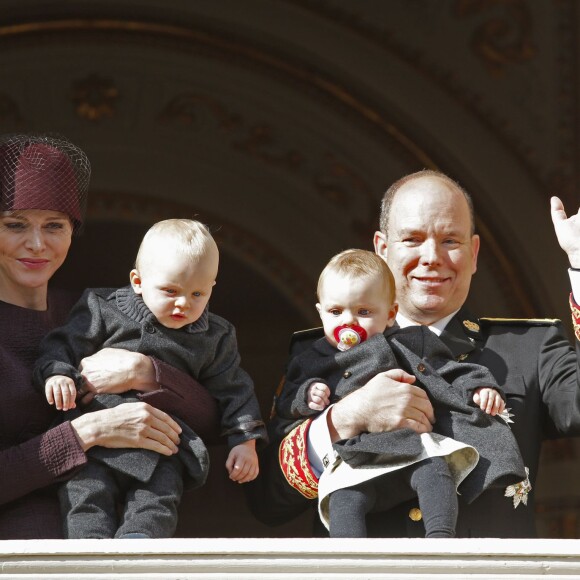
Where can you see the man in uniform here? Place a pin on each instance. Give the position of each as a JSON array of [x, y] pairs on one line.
[[427, 238]]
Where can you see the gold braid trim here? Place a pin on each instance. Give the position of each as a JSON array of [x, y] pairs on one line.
[[575, 316], [293, 459]]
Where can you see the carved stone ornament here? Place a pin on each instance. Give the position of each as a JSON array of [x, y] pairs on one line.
[[95, 98]]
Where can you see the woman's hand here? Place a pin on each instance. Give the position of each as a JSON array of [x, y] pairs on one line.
[[129, 425], [114, 370]]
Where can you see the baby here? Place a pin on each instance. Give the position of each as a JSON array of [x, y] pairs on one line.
[[164, 313], [357, 307]]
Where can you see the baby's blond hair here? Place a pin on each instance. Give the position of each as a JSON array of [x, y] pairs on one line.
[[190, 237], [355, 263]]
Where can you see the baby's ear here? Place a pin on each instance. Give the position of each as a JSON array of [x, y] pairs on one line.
[[135, 281], [319, 308], [393, 313]]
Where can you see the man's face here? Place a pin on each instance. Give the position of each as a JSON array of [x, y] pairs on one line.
[[429, 248]]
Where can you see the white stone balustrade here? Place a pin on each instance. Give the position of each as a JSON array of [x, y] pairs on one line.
[[294, 558]]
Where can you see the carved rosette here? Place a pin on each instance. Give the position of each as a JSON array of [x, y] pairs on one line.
[[94, 98]]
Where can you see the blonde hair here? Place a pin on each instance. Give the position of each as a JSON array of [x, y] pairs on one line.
[[355, 263], [190, 237]]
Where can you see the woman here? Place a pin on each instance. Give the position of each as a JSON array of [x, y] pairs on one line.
[[43, 190]]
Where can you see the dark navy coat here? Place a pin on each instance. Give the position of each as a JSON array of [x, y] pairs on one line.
[[536, 367], [449, 384]]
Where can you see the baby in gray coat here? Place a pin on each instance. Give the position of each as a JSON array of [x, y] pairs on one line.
[[164, 313], [374, 472]]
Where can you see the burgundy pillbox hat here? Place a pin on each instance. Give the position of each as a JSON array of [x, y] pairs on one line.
[[44, 172]]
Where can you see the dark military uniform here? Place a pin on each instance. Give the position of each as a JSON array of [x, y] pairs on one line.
[[537, 368]]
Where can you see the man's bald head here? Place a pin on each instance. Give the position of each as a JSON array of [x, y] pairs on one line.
[[427, 174]]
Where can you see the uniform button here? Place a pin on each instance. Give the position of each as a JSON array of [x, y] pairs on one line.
[[347, 374], [149, 328], [415, 514], [421, 367]]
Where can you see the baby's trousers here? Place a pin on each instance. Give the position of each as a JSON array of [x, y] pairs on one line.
[[429, 480], [100, 502]]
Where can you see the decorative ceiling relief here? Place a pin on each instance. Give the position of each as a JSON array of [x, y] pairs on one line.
[[505, 37], [261, 144], [187, 109], [521, 46], [95, 98], [337, 182], [259, 140]]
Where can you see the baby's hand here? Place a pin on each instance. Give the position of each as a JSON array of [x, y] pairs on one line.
[[318, 396], [489, 400], [242, 462], [61, 392]]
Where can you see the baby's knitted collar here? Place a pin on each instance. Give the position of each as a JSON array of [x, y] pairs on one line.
[[132, 305]]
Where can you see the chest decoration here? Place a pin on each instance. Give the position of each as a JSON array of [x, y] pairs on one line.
[[349, 335], [519, 491]]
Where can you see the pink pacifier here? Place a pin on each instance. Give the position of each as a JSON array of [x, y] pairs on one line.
[[349, 335]]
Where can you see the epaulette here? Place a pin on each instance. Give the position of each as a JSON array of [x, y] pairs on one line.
[[520, 321]]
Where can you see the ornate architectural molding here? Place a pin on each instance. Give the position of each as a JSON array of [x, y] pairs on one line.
[[505, 38], [501, 41], [94, 97], [187, 107], [232, 50], [261, 142]]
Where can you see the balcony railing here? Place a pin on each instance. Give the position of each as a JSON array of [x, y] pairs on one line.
[[289, 558]]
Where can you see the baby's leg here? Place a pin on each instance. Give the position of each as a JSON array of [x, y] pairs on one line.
[[437, 495], [151, 508], [348, 508], [88, 503]]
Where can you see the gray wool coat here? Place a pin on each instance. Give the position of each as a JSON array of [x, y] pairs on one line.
[[448, 383], [206, 349]]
